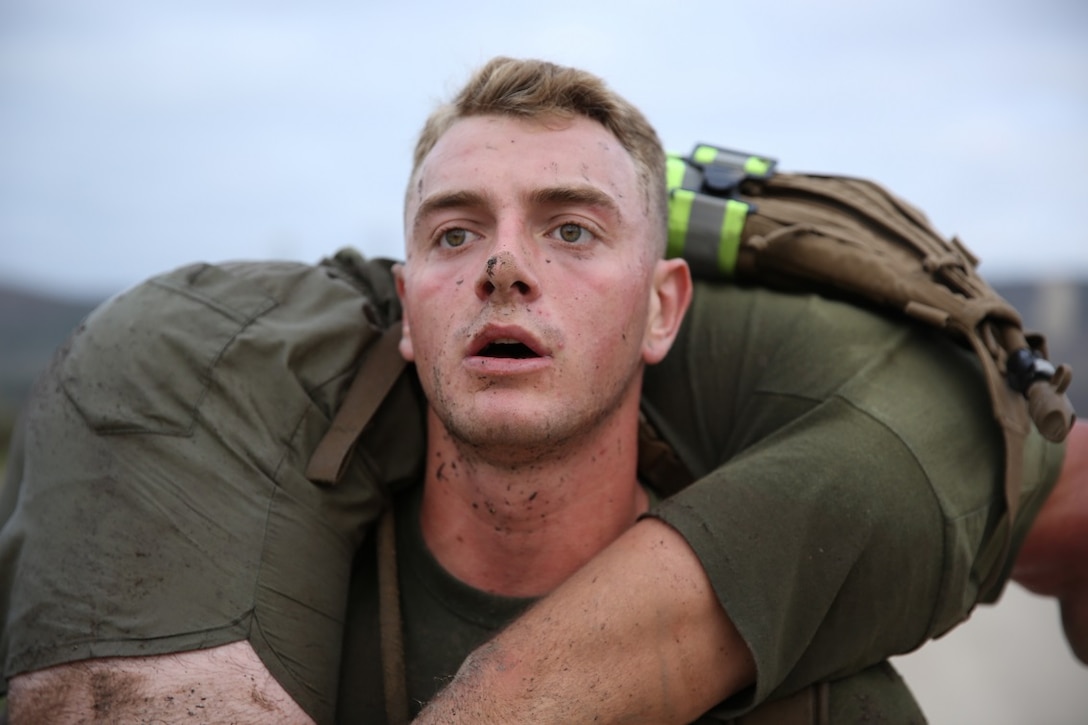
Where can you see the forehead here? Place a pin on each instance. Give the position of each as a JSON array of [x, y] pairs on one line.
[[514, 154]]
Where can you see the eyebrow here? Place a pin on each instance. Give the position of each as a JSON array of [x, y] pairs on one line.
[[582, 195], [452, 200]]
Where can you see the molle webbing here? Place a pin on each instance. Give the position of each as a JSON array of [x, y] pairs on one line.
[[732, 216]]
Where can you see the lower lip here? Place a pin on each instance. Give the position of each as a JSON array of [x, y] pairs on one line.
[[506, 365]]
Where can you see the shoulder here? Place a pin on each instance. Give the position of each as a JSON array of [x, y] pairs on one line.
[[208, 326], [751, 360]]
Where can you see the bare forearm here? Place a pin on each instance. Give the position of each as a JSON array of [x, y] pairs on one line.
[[1054, 558], [637, 635], [228, 683]]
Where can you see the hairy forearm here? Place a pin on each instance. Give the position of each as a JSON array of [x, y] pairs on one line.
[[637, 635], [227, 683]]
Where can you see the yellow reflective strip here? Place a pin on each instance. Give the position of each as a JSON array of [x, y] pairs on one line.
[[674, 172], [704, 154], [756, 166], [736, 213], [680, 202]]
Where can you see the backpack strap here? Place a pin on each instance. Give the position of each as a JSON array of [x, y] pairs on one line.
[[375, 377], [390, 624], [658, 465]]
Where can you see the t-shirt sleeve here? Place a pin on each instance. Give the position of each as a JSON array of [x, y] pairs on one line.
[[162, 503], [851, 478]]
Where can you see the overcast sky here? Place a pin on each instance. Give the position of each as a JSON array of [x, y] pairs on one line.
[[137, 136]]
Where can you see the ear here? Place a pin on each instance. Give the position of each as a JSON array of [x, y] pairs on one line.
[[405, 345], [670, 296]]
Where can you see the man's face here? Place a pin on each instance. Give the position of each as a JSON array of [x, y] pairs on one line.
[[528, 282]]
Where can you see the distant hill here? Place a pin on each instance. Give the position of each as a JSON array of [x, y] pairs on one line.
[[33, 325]]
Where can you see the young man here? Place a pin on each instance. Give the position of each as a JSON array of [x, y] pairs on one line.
[[183, 565], [824, 473], [534, 293]]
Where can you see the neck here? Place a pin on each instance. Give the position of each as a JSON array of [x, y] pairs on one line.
[[522, 528]]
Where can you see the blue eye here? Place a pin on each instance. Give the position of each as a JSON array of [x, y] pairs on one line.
[[573, 233]]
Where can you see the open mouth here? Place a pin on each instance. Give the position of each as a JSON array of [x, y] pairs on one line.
[[507, 349]]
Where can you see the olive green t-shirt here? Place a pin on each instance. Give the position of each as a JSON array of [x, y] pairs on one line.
[[445, 619], [158, 501], [852, 478]]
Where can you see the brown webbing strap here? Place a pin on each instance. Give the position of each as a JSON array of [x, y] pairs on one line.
[[377, 373], [1011, 413], [658, 465], [389, 622]]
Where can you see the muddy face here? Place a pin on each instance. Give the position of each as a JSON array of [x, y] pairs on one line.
[[529, 269]]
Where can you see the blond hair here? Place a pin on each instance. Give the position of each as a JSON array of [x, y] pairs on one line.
[[535, 89]]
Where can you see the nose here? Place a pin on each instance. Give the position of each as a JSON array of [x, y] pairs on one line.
[[506, 277]]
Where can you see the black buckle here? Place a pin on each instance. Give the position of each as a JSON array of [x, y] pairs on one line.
[[729, 167]]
